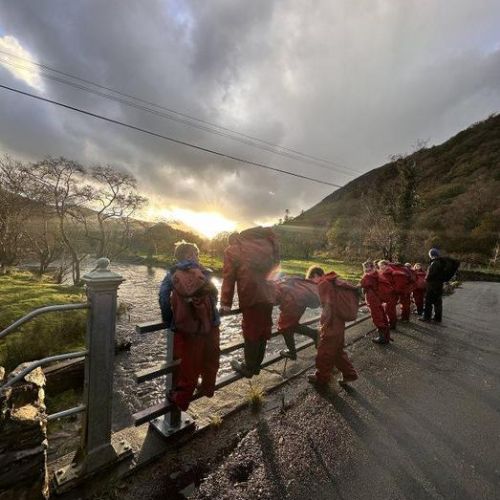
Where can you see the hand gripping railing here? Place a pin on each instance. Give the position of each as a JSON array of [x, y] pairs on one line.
[[165, 407]]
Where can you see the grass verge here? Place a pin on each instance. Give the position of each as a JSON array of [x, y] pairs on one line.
[[53, 333]]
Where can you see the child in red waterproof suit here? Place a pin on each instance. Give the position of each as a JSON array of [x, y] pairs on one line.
[[370, 285], [419, 288], [386, 292], [331, 352], [249, 261], [295, 295], [402, 279], [188, 302]]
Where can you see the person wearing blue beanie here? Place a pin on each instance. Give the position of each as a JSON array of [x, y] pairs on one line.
[[434, 253], [434, 288]]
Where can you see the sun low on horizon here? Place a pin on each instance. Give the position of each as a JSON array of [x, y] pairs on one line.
[[208, 224]]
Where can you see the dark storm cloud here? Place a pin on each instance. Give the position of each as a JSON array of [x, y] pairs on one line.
[[349, 81]]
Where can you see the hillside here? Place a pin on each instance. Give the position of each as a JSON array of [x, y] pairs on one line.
[[458, 195]]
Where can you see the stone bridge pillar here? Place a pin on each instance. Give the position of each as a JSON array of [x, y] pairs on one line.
[[23, 438]]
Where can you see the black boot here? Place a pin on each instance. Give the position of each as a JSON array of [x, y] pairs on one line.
[[241, 368], [290, 343], [254, 354], [261, 352], [383, 336]]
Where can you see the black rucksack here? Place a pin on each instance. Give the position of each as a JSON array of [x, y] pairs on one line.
[[448, 268]]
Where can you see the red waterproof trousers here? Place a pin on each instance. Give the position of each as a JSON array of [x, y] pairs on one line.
[[257, 322], [331, 352], [390, 303], [199, 357], [405, 301], [418, 297], [379, 317]]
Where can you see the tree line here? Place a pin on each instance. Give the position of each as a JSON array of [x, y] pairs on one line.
[[58, 211]]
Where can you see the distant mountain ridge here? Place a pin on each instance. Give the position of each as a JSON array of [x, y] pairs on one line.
[[458, 189]]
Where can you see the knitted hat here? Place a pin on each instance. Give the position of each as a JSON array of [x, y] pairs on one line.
[[368, 265], [433, 253]]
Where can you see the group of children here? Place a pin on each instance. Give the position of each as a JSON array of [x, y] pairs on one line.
[[188, 302], [386, 285]]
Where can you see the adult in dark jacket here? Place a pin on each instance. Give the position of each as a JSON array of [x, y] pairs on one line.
[[434, 288]]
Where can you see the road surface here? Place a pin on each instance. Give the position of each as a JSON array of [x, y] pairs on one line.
[[422, 422]]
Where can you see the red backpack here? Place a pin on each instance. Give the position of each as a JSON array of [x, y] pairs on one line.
[[259, 250], [420, 277], [302, 292], [402, 277], [341, 295], [191, 301]]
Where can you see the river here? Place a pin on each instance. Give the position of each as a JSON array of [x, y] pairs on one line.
[[140, 292]]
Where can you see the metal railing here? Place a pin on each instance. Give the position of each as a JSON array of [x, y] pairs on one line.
[[154, 412], [37, 312], [96, 448]]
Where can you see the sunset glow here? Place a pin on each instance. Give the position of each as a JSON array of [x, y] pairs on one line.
[[206, 223]]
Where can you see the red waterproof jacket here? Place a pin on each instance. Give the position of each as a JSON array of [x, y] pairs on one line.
[[248, 262], [402, 278], [386, 284], [369, 281], [420, 282], [338, 298]]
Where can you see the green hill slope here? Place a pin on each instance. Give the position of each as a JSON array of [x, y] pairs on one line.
[[458, 197]]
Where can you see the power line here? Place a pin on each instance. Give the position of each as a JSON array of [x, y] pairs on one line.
[[171, 139], [272, 148], [186, 119]]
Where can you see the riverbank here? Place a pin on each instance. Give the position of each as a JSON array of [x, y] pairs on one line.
[[54, 333], [350, 271]]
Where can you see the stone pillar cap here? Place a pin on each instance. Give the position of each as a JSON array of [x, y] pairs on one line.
[[102, 273]]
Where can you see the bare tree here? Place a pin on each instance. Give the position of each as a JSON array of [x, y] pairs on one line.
[[380, 230], [403, 201], [62, 179], [113, 197], [17, 191], [44, 239]]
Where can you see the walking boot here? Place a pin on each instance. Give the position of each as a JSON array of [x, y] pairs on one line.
[[286, 353], [241, 368], [383, 336], [291, 352], [347, 380], [320, 384]]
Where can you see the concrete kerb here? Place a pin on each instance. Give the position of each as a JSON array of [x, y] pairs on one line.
[[148, 446]]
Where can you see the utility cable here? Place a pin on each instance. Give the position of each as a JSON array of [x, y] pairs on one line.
[[171, 139], [188, 120]]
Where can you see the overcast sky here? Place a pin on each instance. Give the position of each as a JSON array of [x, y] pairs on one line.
[[352, 81]]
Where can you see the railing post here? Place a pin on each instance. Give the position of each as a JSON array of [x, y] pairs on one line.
[[96, 449], [176, 420]]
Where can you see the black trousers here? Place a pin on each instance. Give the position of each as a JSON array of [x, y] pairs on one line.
[[303, 330], [434, 298]]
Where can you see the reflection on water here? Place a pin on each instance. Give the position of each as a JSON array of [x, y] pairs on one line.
[[140, 292]]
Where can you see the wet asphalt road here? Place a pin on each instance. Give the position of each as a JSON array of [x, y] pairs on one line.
[[422, 422]]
